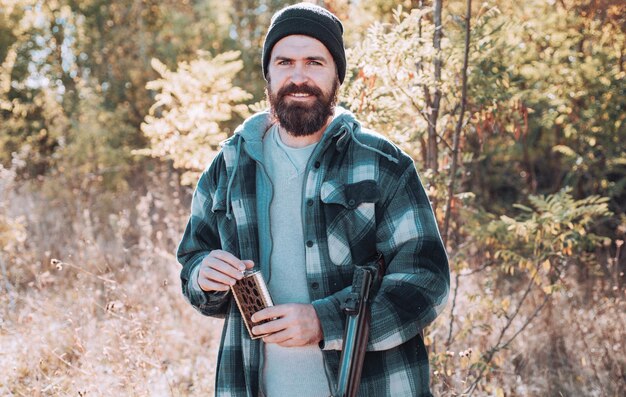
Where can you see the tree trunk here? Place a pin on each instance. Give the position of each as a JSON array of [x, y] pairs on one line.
[[459, 124], [433, 152]]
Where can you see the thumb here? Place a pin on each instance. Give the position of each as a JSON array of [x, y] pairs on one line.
[[249, 264]]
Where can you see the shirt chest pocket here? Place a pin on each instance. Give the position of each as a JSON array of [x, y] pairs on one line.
[[350, 218]]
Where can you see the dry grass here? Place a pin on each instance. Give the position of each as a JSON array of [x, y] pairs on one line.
[[575, 347], [134, 337], [89, 315]]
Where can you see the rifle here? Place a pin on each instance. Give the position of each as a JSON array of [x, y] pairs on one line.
[[365, 283]]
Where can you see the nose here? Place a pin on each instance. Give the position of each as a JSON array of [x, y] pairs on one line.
[[298, 75]]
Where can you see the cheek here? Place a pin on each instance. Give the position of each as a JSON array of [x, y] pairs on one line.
[[327, 85], [275, 82], [274, 86]]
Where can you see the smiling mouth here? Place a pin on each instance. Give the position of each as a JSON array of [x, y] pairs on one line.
[[300, 95]]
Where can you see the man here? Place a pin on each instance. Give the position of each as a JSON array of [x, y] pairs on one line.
[[304, 193]]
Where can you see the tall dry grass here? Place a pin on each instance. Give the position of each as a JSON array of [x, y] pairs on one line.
[[93, 309], [573, 347]]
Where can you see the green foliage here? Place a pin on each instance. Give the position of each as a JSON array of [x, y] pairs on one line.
[[185, 123], [554, 232], [42, 97], [563, 70], [37, 123], [544, 238], [95, 152]]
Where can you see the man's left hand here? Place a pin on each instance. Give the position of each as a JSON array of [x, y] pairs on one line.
[[293, 324]]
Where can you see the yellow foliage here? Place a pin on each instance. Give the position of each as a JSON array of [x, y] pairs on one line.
[[185, 124]]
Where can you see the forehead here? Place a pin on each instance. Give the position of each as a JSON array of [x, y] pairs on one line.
[[300, 46]]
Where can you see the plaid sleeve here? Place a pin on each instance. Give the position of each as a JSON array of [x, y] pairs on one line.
[[415, 287], [201, 237]]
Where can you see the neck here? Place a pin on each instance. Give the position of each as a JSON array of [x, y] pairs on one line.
[[295, 141]]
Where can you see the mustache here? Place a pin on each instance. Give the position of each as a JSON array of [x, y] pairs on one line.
[[302, 89]]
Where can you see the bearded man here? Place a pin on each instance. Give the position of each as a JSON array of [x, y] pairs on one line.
[[304, 193]]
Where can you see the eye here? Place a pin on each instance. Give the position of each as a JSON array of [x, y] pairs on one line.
[[315, 63], [284, 62]]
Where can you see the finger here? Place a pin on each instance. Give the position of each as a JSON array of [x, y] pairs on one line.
[[270, 327], [217, 277], [262, 314], [220, 266], [249, 264], [269, 313], [280, 338], [208, 285], [228, 258]]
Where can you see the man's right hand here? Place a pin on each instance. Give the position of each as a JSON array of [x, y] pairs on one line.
[[220, 269]]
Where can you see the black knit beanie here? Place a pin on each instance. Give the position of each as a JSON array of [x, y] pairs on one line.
[[308, 20]]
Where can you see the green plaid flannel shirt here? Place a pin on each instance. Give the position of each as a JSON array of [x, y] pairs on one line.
[[361, 195]]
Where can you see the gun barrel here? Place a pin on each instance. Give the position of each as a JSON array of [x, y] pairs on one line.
[[356, 336], [365, 283]]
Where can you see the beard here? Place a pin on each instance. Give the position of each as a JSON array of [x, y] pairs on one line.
[[302, 119]]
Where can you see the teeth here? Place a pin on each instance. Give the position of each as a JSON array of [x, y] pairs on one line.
[[298, 94]]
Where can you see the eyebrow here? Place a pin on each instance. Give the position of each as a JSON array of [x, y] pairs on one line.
[[311, 58]]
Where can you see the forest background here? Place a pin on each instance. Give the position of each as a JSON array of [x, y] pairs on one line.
[[514, 113]]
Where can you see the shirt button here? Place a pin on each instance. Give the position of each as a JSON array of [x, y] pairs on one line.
[[351, 203], [315, 285], [309, 243], [309, 202], [317, 164]]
